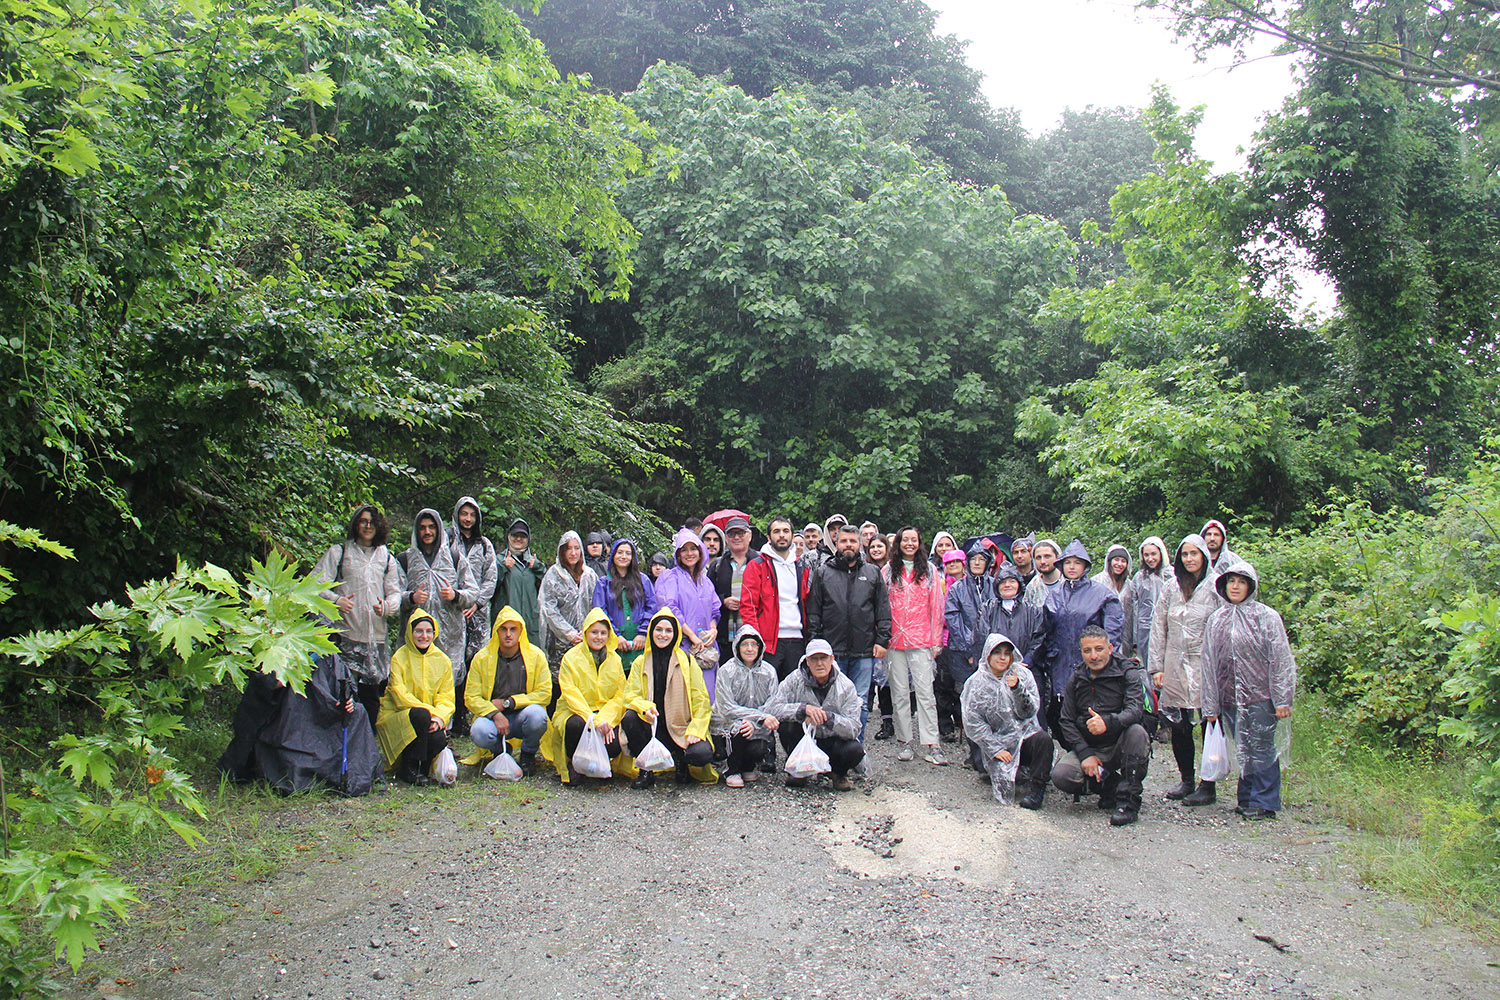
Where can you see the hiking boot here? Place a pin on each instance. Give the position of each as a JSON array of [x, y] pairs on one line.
[[1128, 792], [887, 730], [1259, 814], [935, 755], [841, 783], [574, 779], [646, 779], [1181, 790], [1108, 790], [1204, 796], [527, 762], [906, 752], [1035, 794]]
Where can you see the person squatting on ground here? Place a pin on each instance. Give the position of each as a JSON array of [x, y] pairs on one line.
[[1249, 680], [915, 593], [1176, 657], [366, 587], [418, 702], [1000, 703], [510, 686], [665, 696], [591, 679], [742, 725], [1102, 708], [819, 694]]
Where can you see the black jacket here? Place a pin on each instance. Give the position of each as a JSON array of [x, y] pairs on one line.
[[1117, 693], [721, 574], [849, 607], [1025, 625]]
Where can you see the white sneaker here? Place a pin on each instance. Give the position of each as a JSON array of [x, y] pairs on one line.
[[906, 752], [934, 755]]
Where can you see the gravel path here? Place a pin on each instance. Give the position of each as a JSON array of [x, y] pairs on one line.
[[916, 885]]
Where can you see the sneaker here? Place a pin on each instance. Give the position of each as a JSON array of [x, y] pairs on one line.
[[906, 752], [751, 775], [734, 781], [934, 755], [841, 783], [887, 730]]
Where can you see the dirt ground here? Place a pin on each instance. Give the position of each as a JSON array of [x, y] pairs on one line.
[[917, 884]]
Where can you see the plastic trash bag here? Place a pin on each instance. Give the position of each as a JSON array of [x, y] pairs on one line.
[[1215, 753], [591, 759], [444, 767], [655, 756], [807, 758], [503, 768]]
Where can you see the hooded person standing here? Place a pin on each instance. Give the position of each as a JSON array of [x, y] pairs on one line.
[[628, 598], [728, 575], [566, 597], [742, 721], [1020, 554], [1249, 679], [1141, 597], [1116, 576], [950, 712], [713, 541], [509, 688], [595, 552], [1075, 604], [820, 695], [665, 697], [1044, 559], [967, 613], [366, 587], [812, 547], [942, 543], [520, 579], [468, 539], [1216, 537], [592, 682], [440, 582], [1000, 703], [1176, 661], [687, 589], [418, 702], [916, 598]]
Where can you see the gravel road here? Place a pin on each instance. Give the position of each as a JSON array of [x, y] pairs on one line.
[[916, 885]]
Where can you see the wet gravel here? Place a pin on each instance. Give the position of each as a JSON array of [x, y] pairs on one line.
[[915, 885]]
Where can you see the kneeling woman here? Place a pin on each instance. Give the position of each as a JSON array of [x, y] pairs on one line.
[[1000, 704], [592, 682], [417, 704], [666, 695]]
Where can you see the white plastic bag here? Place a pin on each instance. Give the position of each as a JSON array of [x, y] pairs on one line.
[[1215, 753], [807, 758], [591, 759], [655, 756], [503, 768], [444, 767]]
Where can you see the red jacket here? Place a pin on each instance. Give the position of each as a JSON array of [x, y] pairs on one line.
[[760, 601]]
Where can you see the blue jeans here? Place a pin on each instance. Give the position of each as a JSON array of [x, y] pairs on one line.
[[861, 670], [1259, 786], [529, 723]]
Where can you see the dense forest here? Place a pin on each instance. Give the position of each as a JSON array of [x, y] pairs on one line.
[[610, 264]]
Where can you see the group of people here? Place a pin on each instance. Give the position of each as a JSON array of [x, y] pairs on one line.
[[1044, 671]]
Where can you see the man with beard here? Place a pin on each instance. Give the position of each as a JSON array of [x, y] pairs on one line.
[[772, 599], [1101, 727], [1048, 576], [1216, 537], [848, 606], [1020, 554]]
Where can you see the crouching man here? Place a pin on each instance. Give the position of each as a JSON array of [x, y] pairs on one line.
[[509, 686], [1102, 708], [818, 692]]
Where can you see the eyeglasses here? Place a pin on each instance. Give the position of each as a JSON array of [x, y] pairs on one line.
[[366, 522]]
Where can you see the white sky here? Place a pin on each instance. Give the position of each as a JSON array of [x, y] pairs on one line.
[[1042, 57]]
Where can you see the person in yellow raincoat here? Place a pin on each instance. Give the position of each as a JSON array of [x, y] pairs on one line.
[[592, 679], [666, 695], [417, 704], [509, 687]]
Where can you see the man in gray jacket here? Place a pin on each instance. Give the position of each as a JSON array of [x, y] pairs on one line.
[[819, 694]]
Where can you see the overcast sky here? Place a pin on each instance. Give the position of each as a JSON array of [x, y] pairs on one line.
[[1040, 58]]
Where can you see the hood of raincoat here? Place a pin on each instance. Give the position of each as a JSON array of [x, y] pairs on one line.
[[685, 537], [609, 564], [1238, 568], [594, 617], [670, 616], [829, 533], [1075, 550], [508, 614], [932, 549], [1197, 542], [661, 559], [442, 532], [594, 538], [991, 641], [519, 524], [1052, 542], [979, 549], [411, 622], [562, 543], [478, 515], [749, 632], [1161, 547], [1028, 539]]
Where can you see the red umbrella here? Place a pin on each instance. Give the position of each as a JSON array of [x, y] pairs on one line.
[[719, 518]]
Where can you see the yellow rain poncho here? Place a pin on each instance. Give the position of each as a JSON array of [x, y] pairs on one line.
[[481, 681], [688, 707], [589, 688], [418, 680]]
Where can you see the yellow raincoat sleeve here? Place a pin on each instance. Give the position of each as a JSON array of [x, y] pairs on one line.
[[444, 700], [481, 682], [538, 680], [636, 697], [613, 710], [698, 701]]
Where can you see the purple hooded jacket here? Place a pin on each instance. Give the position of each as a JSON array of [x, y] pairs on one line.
[[695, 602]]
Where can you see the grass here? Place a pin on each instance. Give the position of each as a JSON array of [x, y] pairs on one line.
[[1419, 832]]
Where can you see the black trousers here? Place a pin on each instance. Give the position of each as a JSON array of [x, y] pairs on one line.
[[740, 754], [573, 732], [842, 754], [418, 755], [638, 731], [949, 712], [788, 654], [369, 695], [1183, 748]]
